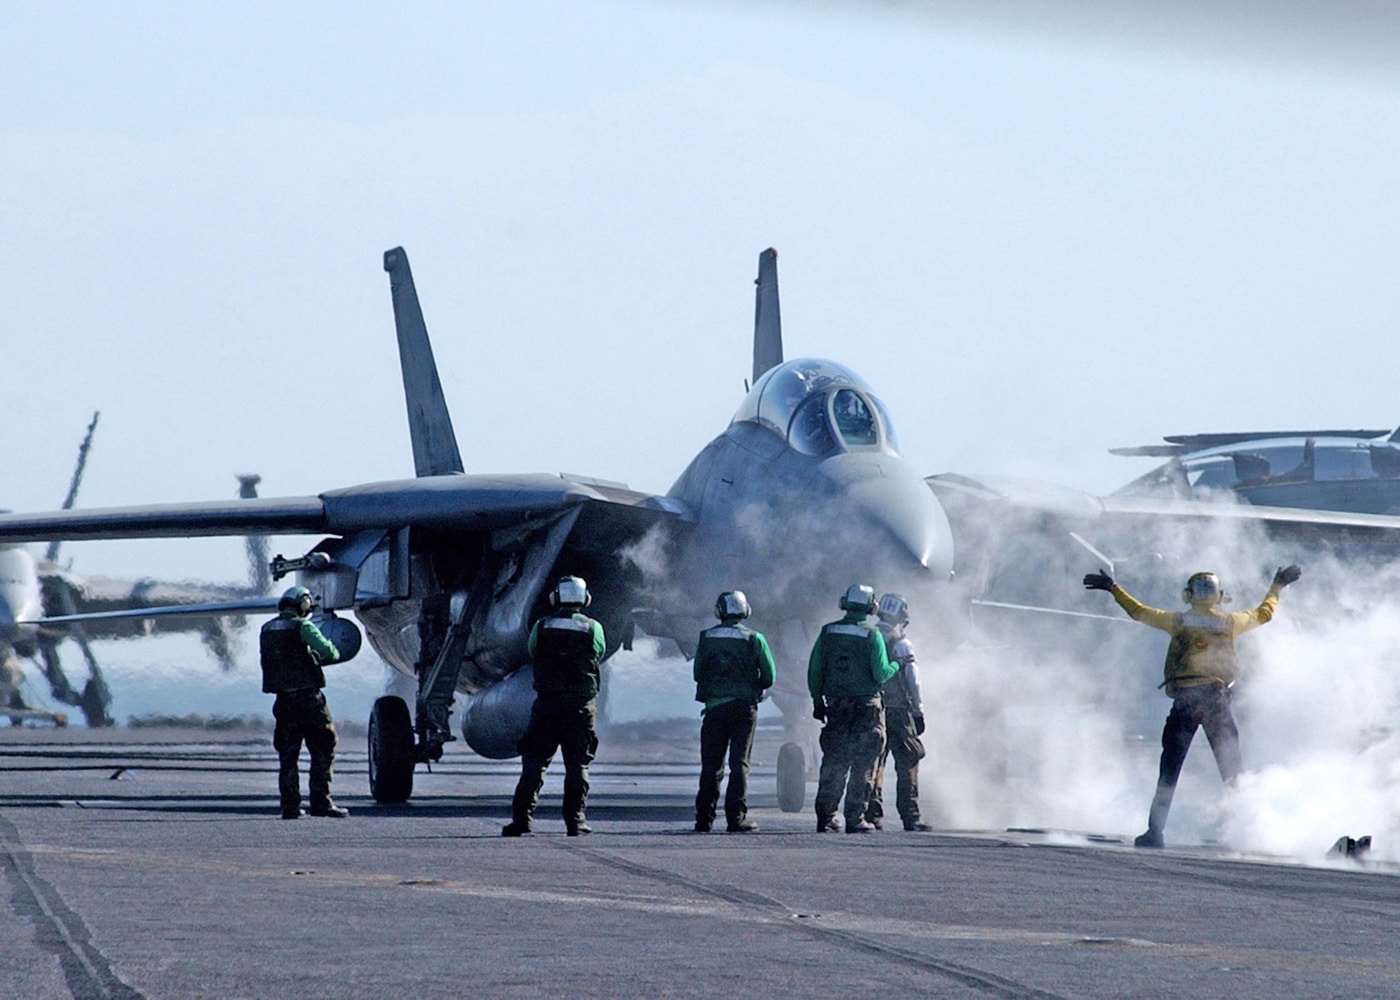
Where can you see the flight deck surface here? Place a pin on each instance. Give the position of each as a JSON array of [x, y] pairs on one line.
[[151, 863]]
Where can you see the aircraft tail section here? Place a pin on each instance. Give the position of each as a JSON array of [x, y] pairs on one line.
[[52, 553], [429, 424], [259, 569], [767, 322]]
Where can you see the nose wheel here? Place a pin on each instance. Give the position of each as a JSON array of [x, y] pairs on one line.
[[792, 777]]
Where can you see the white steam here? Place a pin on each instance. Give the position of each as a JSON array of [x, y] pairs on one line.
[[1025, 732]]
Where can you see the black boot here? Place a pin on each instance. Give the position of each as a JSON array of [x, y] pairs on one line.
[[1149, 838]]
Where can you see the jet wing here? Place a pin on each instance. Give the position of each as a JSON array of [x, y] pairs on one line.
[[1279, 520], [448, 502], [612, 516], [253, 605], [295, 515], [1031, 495]]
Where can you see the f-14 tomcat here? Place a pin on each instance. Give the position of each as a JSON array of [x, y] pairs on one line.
[[801, 495]]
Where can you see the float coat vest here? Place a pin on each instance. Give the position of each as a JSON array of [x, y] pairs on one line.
[[1202, 646], [846, 656], [1201, 650], [727, 665], [287, 663], [566, 658]]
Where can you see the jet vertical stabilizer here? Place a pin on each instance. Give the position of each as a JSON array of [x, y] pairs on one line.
[[767, 321], [259, 569], [429, 425]]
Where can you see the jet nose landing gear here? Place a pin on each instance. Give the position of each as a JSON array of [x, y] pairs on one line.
[[792, 777]]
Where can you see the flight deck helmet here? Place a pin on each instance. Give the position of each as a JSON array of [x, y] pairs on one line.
[[570, 592], [1204, 588], [892, 608], [732, 604], [858, 597], [296, 599]]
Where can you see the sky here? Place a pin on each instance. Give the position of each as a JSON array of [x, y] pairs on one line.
[[1038, 230]]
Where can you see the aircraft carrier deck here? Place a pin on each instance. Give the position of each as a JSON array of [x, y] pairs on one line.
[[151, 863]]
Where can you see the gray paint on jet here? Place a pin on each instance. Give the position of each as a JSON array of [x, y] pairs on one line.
[[803, 494]]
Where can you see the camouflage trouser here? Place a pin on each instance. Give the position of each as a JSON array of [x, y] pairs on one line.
[[302, 715], [1207, 707], [556, 725], [903, 744], [851, 741], [726, 727]]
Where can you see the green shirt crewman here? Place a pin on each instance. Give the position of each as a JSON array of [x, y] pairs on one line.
[[291, 649], [567, 646], [733, 669], [847, 668]]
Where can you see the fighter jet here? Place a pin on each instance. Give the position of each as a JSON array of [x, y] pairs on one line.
[[801, 495], [1344, 470], [43, 604]]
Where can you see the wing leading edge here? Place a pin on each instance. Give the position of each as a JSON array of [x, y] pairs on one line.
[[452, 503]]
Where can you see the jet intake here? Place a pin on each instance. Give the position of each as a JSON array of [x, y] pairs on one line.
[[494, 720]]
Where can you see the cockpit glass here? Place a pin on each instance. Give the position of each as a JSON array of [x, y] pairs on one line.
[[854, 421], [1343, 461], [810, 432], [891, 440], [778, 393], [818, 406]]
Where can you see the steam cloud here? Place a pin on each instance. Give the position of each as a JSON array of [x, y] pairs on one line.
[[1054, 723], [1028, 734]]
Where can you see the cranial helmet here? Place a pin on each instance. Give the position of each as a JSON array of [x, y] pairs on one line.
[[296, 599], [893, 608], [732, 604], [858, 597], [1204, 588], [570, 591]]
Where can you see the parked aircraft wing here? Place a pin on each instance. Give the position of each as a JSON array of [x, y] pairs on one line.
[[253, 605], [294, 515], [1317, 522], [1064, 501], [1187, 444], [455, 502]]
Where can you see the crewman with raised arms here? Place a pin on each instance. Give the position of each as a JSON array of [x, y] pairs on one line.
[[1200, 670]]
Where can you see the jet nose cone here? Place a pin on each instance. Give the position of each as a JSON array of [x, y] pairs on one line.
[[884, 492]]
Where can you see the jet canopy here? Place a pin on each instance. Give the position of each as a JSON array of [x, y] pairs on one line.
[[1271, 462], [819, 407]]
